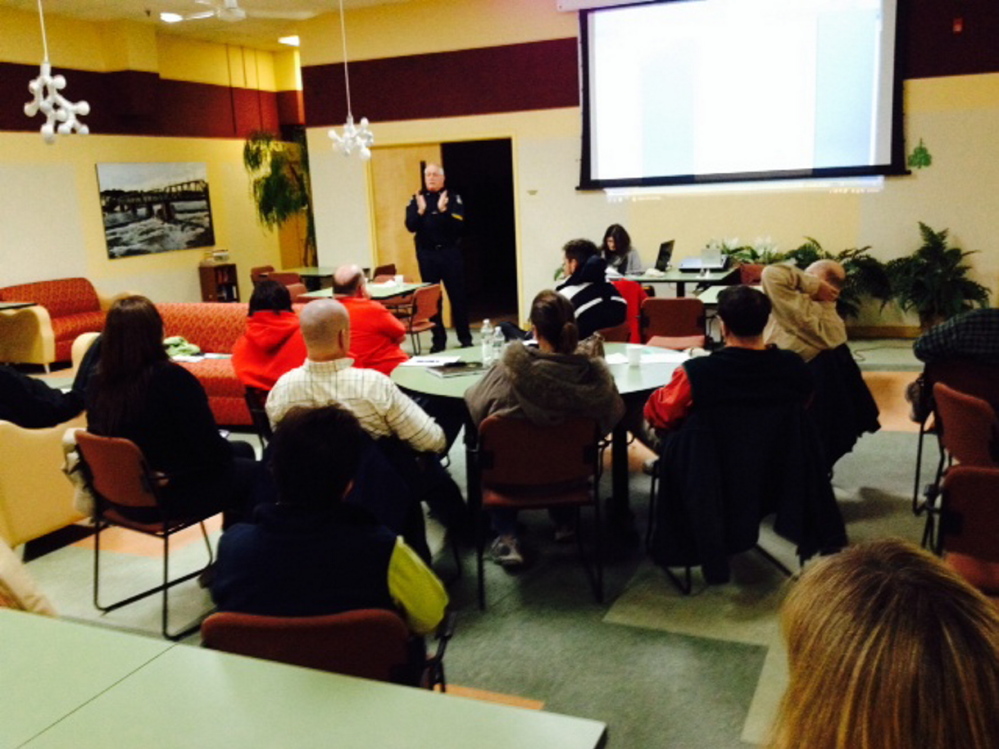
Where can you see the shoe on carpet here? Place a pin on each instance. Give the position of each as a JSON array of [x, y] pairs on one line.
[[467, 344], [435, 349], [649, 466], [505, 551]]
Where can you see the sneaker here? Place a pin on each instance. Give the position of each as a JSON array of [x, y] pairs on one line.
[[649, 466], [565, 533], [505, 551]]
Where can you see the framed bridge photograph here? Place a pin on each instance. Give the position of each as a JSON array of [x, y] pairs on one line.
[[151, 208]]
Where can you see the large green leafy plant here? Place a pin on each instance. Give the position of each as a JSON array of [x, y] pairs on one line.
[[279, 181], [933, 281]]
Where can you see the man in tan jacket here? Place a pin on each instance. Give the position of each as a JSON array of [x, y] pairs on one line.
[[804, 317]]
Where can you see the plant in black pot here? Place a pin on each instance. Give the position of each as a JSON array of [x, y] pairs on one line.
[[933, 281], [279, 180]]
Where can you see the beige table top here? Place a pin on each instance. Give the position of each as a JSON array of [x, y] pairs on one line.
[[69, 684]]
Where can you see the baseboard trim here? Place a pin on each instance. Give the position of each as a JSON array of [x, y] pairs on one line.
[[884, 331]]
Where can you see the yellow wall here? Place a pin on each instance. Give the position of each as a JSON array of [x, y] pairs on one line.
[[50, 216], [958, 118]]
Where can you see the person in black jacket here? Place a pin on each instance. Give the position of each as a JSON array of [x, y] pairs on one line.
[[437, 217], [597, 303], [32, 404], [137, 393]]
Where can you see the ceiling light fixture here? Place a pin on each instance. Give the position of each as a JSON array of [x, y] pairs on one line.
[[171, 17], [56, 108], [291, 41], [355, 137]]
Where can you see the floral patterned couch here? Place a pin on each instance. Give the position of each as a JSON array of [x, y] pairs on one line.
[[44, 333]]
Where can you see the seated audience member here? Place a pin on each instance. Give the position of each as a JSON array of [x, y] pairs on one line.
[[545, 385], [273, 341], [376, 334], [385, 412], [804, 318], [745, 368], [137, 393], [311, 554], [616, 249], [32, 404], [888, 649], [972, 335], [596, 302]]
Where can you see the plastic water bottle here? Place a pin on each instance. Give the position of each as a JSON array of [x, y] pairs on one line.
[[487, 342], [499, 343]]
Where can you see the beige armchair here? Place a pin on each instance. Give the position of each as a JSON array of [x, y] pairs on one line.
[[35, 496]]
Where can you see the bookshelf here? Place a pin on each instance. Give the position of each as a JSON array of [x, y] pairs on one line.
[[218, 282]]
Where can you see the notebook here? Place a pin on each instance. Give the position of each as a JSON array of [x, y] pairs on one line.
[[458, 369]]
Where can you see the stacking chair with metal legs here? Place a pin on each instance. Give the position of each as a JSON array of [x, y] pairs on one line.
[[528, 467], [122, 483]]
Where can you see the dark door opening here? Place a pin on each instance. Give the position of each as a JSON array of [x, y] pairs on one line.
[[482, 173]]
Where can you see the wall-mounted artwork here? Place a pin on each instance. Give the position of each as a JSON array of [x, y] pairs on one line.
[[151, 208]]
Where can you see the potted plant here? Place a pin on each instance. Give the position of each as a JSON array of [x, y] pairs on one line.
[[934, 281], [279, 181]]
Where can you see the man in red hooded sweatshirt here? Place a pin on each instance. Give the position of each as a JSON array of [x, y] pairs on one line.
[[376, 334], [272, 344]]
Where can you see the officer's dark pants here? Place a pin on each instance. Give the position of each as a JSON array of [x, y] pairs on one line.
[[446, 265]]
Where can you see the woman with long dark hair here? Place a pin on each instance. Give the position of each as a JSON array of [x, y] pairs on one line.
[[138, 393], [545, 385], [616, 249]]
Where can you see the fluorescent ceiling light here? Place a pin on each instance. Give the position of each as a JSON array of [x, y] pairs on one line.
[[291, 41], [171, 17]]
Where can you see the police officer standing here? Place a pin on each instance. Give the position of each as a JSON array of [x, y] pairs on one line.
[[437, 219]]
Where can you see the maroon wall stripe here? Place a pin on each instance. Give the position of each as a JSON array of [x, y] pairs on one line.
[[135, 103], [291, 107], [510, 78]]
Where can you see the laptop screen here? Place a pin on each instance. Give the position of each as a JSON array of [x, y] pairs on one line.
[[665, 253]]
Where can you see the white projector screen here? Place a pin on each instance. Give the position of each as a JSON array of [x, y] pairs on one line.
[[691, 91]]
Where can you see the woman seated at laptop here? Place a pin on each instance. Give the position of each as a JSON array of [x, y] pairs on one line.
[[546, 385], [616, 249], [272, 344], [137, 393]]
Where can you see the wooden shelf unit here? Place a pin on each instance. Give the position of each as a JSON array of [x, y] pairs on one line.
[[219, 282]]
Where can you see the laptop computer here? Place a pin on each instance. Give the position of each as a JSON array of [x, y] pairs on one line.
[[665, 253]]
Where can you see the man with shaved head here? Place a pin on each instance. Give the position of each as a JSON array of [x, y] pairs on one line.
[[375, 333], [804, 317], [328, 376]]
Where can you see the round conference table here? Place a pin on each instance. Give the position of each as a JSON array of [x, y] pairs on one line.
[[634, 383]]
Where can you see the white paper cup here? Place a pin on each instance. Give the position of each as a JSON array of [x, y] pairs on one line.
[[398, 279], [634, 356]]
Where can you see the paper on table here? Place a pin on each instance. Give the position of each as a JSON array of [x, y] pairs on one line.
[[430, 361], [662, 356]]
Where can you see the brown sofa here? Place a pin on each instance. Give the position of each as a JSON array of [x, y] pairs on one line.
[[44, 333]]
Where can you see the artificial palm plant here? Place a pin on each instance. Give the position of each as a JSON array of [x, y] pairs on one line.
[[279, 180], [934, 280]]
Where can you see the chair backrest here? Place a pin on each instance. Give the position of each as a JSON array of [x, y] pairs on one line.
[[672, 317], [970, 523], [385, 270], [751, 274], [285, 278], [618, 334], [634, 295], [116, 470], [369, 643], [966, 375], [516, 454], [968, 426], [259, 273], [297, 291], [426, 300]]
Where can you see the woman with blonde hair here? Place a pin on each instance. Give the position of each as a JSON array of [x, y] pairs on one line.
[[888, 649]]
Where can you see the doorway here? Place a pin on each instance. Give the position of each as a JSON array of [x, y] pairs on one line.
[[481, 172]]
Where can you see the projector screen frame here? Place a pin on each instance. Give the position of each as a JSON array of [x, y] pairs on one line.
[[895, 168]]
